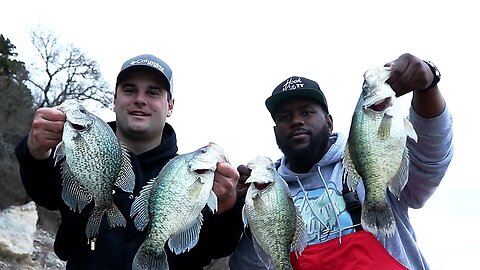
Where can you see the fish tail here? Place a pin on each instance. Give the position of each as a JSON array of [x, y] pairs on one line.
[[377, 217], [114, 217], [148, 258], [93, 224]]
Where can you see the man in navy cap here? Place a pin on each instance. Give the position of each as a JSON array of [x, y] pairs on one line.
[[143, 100], [312, 167]]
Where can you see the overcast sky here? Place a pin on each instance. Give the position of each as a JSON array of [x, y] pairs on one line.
[[227, 56]]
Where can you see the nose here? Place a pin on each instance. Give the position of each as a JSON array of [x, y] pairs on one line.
[[297, 119], [140, 98]]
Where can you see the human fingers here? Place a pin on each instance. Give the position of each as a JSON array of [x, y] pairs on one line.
[[224, 185], [244, 172], [46, 132], [242, 187], [409, 73]]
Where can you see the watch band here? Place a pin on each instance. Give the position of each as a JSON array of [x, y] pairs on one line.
[[436, 74]]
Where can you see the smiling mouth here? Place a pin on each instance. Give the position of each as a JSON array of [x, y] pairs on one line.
[[137, 113]]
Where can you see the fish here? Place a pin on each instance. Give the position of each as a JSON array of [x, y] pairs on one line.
[[275, 223], [376, 151], [172, 204], [92, 161]]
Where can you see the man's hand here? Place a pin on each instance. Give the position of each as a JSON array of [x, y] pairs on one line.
[[409, 73], [242, 187], [46, 132], [224, 186]]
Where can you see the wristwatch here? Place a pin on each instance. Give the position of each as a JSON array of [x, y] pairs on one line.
[[436, 74]]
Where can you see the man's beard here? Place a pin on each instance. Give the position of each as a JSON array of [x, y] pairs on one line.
[[310, 153]]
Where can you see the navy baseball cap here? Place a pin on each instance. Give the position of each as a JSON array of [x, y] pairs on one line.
[[147, 61], [295, 86]]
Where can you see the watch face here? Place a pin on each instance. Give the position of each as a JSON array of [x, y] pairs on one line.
[[434, 69], [436, 74]]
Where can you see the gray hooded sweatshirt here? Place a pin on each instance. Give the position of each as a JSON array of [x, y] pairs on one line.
[[429, 160]]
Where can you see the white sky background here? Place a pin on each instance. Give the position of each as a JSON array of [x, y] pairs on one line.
[[228, 56]]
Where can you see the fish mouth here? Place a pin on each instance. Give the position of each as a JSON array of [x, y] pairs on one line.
[[201, 171], [381, 105], [78, 127], [261, 186], [259, 181]]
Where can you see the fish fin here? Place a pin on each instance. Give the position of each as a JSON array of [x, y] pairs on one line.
[[187, 237], [244, 217], [93, 223], [114, 217], [212, 201], [262, 254], [59, 152], [140, 206], [126, 177], [377, 218], [146, 258], [258, 200], [398, 182], [74, 194], [349, 174], [300, 238], [410, 130], [385, 127]]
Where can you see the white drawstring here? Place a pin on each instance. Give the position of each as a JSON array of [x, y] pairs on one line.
[[337, 213], [327, 230], [324, 225]]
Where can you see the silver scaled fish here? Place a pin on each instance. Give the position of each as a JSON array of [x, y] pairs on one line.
[[93, 161], [275, 223], [172, 203], [376, 151]]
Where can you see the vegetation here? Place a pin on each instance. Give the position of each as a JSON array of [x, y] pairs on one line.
[[57, 72], [63, 72], [15, 116]]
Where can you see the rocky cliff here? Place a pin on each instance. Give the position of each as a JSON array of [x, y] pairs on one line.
[[25, 245]]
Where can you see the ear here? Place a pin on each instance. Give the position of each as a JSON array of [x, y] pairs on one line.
[[329, 120], [276, 131], [171, 102]]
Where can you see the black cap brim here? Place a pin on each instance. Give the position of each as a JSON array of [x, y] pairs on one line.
[[274, 101]]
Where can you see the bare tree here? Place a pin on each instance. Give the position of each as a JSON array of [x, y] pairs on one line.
[[64, 72]]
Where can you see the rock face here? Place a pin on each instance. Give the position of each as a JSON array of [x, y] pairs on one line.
[[23, 246], [17, 228]]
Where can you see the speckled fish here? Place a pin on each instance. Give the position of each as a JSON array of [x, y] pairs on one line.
[[376, 150], [93, 161], [275, 223], [172, 203]]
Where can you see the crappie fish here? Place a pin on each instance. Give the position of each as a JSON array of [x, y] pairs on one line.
[[376, 150], [93, 161], [275, 223], [172, 203]]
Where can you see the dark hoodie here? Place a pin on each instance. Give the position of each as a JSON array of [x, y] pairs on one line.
[[116, 247]]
